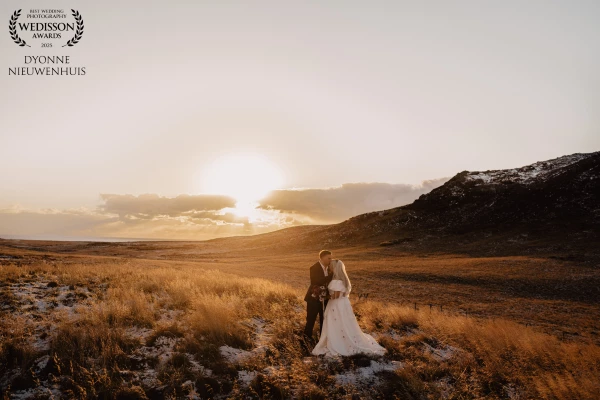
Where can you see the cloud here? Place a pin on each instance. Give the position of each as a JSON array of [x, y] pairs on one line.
[[127, 216], [203, 217], [148, 206], [227, 217], [20, 221], [80, 223], [339, 203]]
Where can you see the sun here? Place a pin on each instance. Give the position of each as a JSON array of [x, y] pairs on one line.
[[245, 177]]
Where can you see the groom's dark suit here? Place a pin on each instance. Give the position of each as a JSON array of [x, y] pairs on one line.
[[313, 306]]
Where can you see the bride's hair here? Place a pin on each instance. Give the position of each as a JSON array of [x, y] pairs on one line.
[[339, 272]]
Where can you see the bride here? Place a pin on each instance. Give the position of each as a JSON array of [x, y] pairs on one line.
[[341, 333]]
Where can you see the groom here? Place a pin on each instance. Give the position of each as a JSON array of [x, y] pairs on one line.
[[320, 275]]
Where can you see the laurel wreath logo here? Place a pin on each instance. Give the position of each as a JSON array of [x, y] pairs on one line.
[[12, 28], [79, 32]]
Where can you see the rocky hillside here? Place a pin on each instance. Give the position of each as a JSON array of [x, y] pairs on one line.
[[549, 206]]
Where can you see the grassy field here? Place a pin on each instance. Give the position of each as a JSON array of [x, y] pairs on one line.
[[189, 320]]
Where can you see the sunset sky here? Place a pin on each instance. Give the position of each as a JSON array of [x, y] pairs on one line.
[[192, 113]]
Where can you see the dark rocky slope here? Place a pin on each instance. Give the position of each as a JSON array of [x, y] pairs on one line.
[[550, 206]]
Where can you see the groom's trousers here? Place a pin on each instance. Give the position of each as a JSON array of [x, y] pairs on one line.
[[314, 308]]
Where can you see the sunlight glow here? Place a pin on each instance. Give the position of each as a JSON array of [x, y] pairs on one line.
[[245, 177]]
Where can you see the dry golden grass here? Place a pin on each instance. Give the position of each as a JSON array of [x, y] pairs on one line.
[[555, 295], [502, 350], [124, 305]]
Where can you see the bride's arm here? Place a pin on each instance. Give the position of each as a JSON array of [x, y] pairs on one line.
[[336, 289]]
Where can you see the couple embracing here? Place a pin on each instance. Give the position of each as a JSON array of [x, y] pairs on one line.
[[328, 297]]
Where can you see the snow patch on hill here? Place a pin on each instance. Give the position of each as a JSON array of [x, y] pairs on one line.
[[538, 171]]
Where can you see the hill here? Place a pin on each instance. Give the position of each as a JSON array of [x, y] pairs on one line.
[[550, 207]]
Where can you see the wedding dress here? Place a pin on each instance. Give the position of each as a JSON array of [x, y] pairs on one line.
[[341, 333]]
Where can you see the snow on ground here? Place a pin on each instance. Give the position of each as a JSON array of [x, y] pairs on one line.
[[441, 354], [247, 376], [41, 363], [261, 334], [138, 332], [51, 392], [43, 299], [395, 334], [262, 337], [44, 295], [169, 316], [367, 375], [234, 355], [163, 349]]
